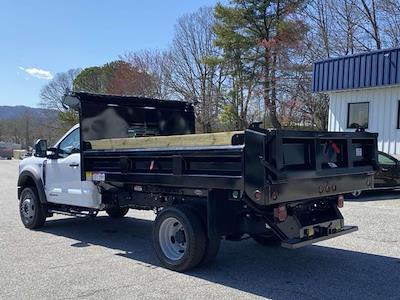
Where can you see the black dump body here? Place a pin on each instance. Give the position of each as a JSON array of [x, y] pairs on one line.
[[283, 165], [107, 116], [293, 165], [256, 173]]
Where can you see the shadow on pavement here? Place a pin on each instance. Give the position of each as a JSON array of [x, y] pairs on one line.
[[273, 272], [376, 195]]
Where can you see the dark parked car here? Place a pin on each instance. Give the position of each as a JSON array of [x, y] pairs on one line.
[[388, 175], [6, 153]]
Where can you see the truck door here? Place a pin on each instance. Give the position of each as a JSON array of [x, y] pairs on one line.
[[63, 183], [387, 174]]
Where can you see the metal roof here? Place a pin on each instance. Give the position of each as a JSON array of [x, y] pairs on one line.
[[364, 70]]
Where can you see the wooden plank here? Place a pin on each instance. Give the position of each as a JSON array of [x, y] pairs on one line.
[[188, 140]]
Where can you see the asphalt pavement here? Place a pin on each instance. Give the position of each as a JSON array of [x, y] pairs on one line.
[[104, 258]]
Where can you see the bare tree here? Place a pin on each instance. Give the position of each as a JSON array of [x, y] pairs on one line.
[[319, 17], [347, 18], [390, 16], [333, 28], [190, 76], [368, 9], [154, 63], [52, 93], [51, 98]]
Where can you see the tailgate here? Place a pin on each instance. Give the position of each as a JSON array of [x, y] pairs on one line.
[[292, 165]]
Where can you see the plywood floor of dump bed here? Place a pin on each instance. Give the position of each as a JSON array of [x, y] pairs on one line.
[[171, 141]]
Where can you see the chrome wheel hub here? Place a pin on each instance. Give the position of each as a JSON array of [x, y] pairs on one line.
[[172, 239], [28, 209]]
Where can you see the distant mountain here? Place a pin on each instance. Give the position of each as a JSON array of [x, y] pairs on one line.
[[13, 112]]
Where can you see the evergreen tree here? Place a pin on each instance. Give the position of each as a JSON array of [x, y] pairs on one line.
[[255, 36]]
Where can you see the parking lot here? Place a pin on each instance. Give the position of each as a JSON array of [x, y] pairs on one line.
[[104, 258]]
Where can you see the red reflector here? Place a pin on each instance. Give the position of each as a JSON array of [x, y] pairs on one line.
[[340, 201], [257, 195], [335, 148], [280, 213]]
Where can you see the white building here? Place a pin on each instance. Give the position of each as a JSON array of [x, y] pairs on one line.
[[364, 91]]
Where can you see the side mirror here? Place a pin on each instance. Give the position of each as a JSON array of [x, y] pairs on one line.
[[40, 148], [52, 153]]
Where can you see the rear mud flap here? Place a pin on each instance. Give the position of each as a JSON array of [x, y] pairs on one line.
[[298, 243]]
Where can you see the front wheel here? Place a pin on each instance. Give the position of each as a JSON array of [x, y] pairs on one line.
[[30, 209], [179, 238]]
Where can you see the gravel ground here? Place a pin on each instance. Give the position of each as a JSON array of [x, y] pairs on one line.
[[104, 258]]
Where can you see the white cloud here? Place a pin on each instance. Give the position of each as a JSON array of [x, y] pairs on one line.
[[38, 73]]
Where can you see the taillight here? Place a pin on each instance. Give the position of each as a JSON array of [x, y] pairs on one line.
[[280, 213], [257, 195], [340, 201]]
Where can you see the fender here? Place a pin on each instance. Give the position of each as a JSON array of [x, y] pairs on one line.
[[26, 178]]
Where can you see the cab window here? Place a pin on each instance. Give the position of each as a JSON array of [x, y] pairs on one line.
[[71, 144], [386, 160]]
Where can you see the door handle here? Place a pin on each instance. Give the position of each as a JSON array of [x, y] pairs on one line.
[[74, 165]]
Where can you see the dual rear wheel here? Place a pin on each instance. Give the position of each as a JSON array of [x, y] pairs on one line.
[[180, 239]]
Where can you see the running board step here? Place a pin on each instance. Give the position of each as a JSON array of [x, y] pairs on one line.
[[73, 213], [297, 243]]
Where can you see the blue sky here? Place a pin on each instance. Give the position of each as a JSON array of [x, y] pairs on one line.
[[41, 38]]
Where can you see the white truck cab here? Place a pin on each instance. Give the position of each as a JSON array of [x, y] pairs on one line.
[[56, 178]]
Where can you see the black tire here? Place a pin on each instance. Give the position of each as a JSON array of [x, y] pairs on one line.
[[266, 239], [116, 212], [356, 194], [32, 212], [211, 252], [212, 245], [194, 238]]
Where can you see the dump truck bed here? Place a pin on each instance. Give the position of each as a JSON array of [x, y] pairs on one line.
[[282, 165], [130, 140]]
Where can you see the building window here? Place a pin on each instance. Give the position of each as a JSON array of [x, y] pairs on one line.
[[358, 114], [398, 114]]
